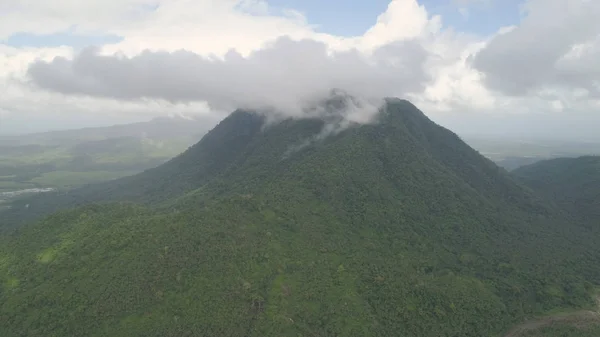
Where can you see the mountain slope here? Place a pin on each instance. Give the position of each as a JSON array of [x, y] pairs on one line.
[[183, 173], [574, 183], [393, 228]]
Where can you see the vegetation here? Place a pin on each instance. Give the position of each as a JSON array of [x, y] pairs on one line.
[[394, 228], [71, 179], [77, 157], [573, 183], [565, 331], [512, 154]]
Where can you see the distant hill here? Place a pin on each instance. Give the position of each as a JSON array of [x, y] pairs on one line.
[[88, 155], [395, 228], [160, 128], [513, 163], [513, 153], [574, 183]]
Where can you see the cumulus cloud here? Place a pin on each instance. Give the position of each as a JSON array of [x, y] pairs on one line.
[[555, 47], [176, 55], [47, 17], [284, 75]]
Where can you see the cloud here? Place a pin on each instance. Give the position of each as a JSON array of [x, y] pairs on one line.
[[339, 111], [176, 54], [47, 17], [202, 26], [238, 43], [283, 75], [402, 20], [555, 47]]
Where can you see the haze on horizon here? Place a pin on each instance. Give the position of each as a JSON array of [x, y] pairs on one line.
[[500, 69]]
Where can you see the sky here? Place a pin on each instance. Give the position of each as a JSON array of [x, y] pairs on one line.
[[508, 68]]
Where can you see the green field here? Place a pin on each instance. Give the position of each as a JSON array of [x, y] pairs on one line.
[[514, 153], [69, 163], [14, 185], [71, 179]]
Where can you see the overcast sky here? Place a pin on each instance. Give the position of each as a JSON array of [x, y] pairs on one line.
[[498, 67]]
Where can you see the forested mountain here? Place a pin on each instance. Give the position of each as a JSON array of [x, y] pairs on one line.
[[395, 228], [574, 183]]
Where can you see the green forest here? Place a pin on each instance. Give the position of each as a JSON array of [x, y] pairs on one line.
[[572, 183], [395, 228]]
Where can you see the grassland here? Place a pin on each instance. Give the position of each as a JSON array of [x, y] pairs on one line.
[[61, 179], [78, 163], [7, 186]]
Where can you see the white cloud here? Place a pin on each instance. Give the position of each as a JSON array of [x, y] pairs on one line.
[[47, 17], [259, 70], [556, 46], [210, 27], [544, 63], [403, 19], [283, 75]]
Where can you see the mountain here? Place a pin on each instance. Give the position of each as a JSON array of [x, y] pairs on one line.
[[573, 183], [298, 227]]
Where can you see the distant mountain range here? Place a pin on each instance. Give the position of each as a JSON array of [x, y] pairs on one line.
[[162, 128]]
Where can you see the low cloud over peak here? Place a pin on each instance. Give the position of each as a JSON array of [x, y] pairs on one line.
[[284, 75], [207, 57]]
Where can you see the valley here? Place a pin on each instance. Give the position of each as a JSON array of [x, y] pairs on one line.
[[63, 160]]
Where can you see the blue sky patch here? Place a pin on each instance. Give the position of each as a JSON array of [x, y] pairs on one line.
[[352, 18], [479, 17], [337, 17]]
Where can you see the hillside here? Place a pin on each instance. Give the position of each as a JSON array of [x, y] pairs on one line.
[[201, 162], [391, 228], [574, 183]]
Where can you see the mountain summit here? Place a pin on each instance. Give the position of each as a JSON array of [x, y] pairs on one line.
[[395, 227]]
